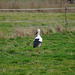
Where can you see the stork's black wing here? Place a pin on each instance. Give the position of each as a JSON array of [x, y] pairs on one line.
[[36, 43]]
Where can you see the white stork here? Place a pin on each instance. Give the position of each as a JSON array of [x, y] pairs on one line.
[[37, 40]]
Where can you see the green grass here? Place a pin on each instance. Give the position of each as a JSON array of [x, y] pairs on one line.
[[57, 55], [33, 19], [57, 52]]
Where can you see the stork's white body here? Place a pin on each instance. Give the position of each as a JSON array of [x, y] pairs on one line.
[[37, 40]]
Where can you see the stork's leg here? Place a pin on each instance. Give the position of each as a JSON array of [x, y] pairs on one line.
[[38, 51]]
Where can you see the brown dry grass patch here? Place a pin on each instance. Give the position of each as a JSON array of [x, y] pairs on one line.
[[22, 32], [72, 29], [31, 32], [1, 34], [59, 28]]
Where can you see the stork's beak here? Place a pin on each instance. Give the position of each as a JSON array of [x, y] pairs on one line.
[[36, 32]]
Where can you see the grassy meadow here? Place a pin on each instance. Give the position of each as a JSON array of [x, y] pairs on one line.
[[57, 55], [17, 55], [10, 21]]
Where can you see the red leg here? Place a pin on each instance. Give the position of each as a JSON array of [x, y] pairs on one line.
[[38, 51]]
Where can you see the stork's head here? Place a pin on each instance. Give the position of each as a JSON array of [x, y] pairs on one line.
[[38, 30]]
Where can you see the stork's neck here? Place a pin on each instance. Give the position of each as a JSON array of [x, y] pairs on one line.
[[38, 34]]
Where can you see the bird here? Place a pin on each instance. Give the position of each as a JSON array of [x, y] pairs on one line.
[[38, 40]]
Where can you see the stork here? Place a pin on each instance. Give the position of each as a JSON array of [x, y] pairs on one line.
[[37, 40]]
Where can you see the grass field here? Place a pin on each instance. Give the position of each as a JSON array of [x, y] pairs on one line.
[[57, 52], [17, 56], [11, 20]]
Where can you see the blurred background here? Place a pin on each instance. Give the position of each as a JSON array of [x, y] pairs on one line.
[[27, 4], [22, 14]]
